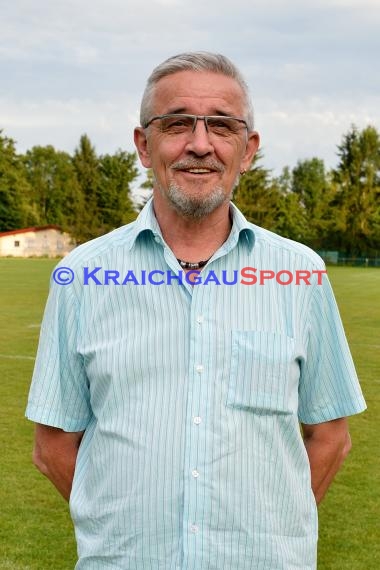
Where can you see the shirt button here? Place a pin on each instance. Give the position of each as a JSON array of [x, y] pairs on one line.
[[200, 319], [197, 420], [194, 528], [199, 368], [195, 473]]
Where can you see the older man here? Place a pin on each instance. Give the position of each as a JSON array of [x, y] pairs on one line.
[[167, 398]]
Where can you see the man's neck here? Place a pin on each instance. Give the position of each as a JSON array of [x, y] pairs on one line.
[[193, 240]]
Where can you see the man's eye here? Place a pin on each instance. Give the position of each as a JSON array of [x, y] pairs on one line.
[[176, 124], [223, 126], [219, 123]]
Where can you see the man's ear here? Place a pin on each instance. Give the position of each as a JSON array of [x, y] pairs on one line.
[[251, 149], [141, 144]]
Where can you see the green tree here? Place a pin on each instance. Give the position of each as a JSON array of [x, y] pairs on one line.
[[148, 183], [315, 193], [14, 213], [358, 191], [55, 194], [115, 207], [258, 196], [290, 218], [105, 183], [87, 168], [145, 189]]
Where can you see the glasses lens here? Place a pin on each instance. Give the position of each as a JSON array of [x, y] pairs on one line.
[[176, 124], [224, 126]]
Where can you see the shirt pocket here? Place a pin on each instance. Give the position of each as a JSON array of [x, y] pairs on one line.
[[260, 374]]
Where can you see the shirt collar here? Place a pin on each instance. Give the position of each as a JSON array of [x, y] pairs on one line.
[[146, 221], [241, 230]]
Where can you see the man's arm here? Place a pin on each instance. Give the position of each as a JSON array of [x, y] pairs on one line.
[[54, 454], [327, 445]]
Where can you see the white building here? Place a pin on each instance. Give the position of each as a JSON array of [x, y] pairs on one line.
[[48, 241]]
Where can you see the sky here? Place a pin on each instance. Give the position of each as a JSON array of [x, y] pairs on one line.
[[79, 66]]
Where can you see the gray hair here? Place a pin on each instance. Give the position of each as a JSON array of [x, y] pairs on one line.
[[194, 61]]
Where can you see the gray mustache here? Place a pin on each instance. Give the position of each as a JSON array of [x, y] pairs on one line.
[[185, 164]]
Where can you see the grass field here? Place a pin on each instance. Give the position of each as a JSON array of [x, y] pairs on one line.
[[35, 527]]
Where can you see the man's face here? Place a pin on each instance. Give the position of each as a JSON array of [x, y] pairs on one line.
[[196, 172]]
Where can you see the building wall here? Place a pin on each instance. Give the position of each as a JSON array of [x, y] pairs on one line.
[[49, 242]]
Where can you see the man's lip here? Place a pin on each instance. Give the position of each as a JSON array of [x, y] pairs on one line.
[[198, 170]]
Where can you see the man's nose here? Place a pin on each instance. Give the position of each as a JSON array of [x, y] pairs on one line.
[[199, 142]]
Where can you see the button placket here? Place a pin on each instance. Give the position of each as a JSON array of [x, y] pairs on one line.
[[197, 404]]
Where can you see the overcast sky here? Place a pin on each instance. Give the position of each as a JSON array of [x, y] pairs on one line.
[[79, 66]]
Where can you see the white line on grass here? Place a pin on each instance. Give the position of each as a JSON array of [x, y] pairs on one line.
[[17, 357], [364, 344]]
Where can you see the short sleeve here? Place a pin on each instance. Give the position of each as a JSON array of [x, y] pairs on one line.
[[59, 394], [329, 386]]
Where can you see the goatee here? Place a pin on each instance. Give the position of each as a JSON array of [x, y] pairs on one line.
[[195, 207]]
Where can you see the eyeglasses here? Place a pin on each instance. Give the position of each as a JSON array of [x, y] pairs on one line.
[[179, 124]]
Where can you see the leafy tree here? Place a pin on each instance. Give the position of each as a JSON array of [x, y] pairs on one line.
[[55, 197], [311, 184], [358, 191], [145, 190], [270, 202], [14, 212], [149, 180], [290, 218], [257, 196], [105, 184], [87, 167], [114, 203]]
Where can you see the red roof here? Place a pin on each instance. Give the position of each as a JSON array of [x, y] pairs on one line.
[[33, 229]]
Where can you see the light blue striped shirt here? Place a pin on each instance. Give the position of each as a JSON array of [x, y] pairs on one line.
[[191, 398]]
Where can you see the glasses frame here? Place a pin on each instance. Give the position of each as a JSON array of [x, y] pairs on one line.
[[195, 119]]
